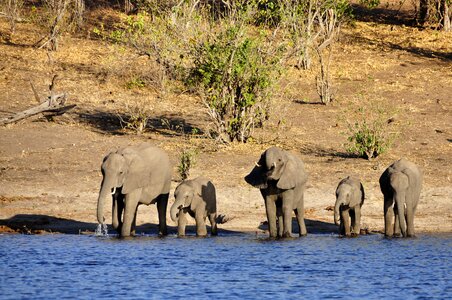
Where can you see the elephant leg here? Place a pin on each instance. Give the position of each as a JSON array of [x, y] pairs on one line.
[[162, 204], [346, 219], [131, 204], [287, 208], [279, 220], [389, 216], [410, 220], [299, 212], [134, 222], [181, 223], [213, 224], [270, 206], [200, 224], [356, 221]]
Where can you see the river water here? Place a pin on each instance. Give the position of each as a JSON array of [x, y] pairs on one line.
[[230, 266]]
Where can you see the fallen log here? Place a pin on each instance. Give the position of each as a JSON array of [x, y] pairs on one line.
[[55, 103]]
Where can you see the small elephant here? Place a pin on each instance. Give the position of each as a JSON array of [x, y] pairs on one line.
[[349, 200], [401, 185], [281, 178], [135, 175], [197, 198]]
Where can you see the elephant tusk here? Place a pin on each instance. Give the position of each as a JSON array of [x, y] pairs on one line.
[[114, 191], [257, 165]]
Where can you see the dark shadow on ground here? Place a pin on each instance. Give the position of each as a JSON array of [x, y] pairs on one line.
[[312, 226], [35, 224], [113, 123], [417, 51], [304, 102], [383, 15], [319, 151], [40, 224]]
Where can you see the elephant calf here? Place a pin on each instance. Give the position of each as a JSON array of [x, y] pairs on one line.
[[401, 185], [349, 200], [197, 198]]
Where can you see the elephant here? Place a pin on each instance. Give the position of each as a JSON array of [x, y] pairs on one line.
[[196, 197], [135, 175], [281, 178], [349, 200], [401, 185]]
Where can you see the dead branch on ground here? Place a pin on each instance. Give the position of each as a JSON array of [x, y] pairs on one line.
[[55, 104]]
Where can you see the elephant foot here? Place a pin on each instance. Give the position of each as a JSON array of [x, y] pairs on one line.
[[303, 234]]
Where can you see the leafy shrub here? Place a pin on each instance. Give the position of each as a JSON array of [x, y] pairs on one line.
[[187, 160], [233, 74], [371, 135]]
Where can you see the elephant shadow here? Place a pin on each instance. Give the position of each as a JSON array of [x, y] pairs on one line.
[[312, 226], [36, 224], [39, 224]]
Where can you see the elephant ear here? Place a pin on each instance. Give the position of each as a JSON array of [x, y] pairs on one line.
[[208, 194], [291, 175], [257, 177], [137, 175]]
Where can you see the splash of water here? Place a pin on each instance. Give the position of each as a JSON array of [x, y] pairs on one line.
[[101, 230]]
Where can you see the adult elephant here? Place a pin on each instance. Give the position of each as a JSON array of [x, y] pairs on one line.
[[197, 198], [135, 175], [401, 185], [347, 210], [281, 178]]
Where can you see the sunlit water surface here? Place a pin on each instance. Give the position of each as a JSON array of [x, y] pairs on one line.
[[239, 266]]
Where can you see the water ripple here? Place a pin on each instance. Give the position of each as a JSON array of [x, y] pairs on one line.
[[236, 266]]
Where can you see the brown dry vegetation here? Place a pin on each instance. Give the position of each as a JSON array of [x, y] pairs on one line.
[[50, 169]]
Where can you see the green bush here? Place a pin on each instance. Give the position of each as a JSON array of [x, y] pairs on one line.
[[371, 135], [233, 74], [187, 160], [367, 141]]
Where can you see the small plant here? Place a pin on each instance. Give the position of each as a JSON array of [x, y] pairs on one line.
[[186, 161], [135, 82], [367, 141], [137, 114], [371, 135]]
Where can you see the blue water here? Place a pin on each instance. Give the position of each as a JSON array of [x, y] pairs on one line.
[[232, 266]]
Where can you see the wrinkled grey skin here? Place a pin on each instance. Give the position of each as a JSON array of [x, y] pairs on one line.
[[401, 185], [198, 199], [281, 178], [347, 210], [132, 176]]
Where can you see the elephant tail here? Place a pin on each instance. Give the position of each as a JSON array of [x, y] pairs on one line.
[[221, 219]]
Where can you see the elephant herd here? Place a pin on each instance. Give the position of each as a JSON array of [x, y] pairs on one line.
[[141, 174]]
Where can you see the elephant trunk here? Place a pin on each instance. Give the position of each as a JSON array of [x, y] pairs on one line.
[[337, 216], [178, 204], [104, 193]]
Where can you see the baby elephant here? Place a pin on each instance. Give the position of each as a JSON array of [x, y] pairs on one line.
[[401, 185], [349, 199], [197, 198]]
